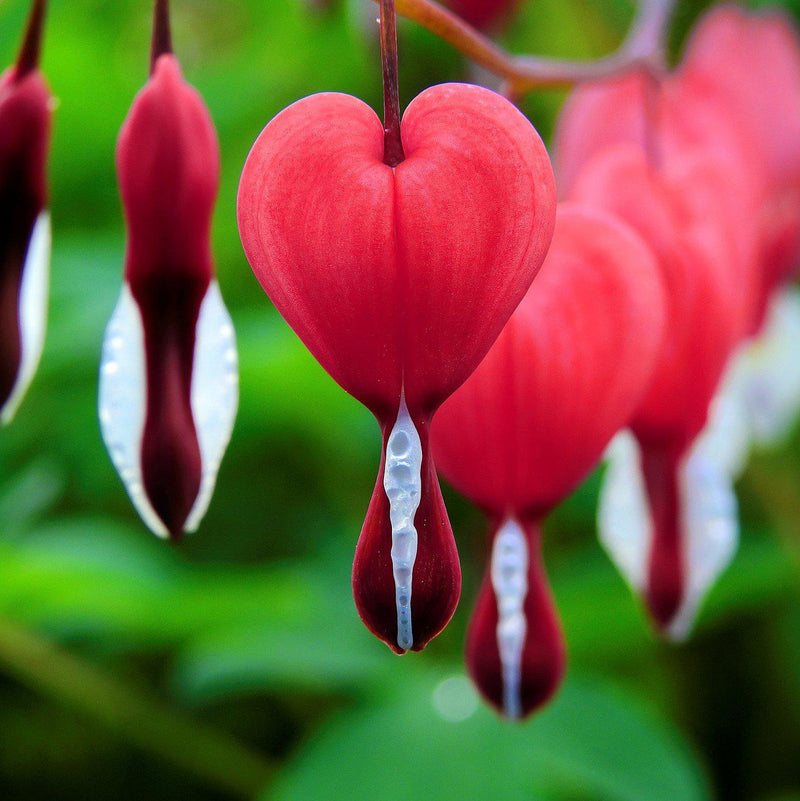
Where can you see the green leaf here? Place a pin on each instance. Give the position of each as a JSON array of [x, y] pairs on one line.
[[591, 743]]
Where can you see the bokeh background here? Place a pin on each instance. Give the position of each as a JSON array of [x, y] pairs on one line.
[[235, 665]]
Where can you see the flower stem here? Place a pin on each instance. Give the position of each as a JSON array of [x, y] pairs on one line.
[[162, 36], [28, 58], [392, 144], [644, 46], [143, 721]]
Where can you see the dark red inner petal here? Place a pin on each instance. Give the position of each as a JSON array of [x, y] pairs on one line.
[[17, 217], [665, 570], [24, 129], [171, 462]]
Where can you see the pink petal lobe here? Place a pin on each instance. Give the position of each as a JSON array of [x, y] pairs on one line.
[[702, 325], [565, 374]]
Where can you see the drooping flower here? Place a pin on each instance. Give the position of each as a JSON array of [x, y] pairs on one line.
[[564, 375], [169, 378], [398, 272], [683, 538], [25, 112], [734, 115]]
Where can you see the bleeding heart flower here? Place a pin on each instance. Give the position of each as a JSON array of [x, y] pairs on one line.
[[169, 379], [702, 329], [565, 374], [25, 112], [398, 279], [762, 93]]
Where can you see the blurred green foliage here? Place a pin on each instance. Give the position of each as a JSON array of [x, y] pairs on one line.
[[235, 665]]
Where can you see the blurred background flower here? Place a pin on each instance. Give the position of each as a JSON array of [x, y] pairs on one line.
[[236, 666]]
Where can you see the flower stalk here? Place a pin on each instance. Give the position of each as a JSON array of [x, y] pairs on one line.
[[392, 144], [643, 47]]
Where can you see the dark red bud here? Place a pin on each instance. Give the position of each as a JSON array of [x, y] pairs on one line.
[[24, 141], [170, 333]]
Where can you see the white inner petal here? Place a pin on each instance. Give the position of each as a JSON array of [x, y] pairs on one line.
[[709, 517], [402, 482], [215, 393], [34, 290], [768, 371], [509, 572], [624, 524], [708, 511], [121, 403]]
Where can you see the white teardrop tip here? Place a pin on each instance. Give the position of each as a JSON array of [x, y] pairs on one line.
[[509, 571], [34, 291], [402, 482]]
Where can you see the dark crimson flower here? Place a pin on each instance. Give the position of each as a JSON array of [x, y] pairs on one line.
[[565, 374], [169, 380], [398, 274], [25, 111]]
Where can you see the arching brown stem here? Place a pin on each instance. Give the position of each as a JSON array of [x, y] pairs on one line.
[[644, 47]]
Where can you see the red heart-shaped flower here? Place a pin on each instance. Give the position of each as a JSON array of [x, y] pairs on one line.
[[398, 280], [564, 375]]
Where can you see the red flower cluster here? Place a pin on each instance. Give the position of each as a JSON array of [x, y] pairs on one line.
[[403, 253], [703, 164], [397, 253], [634, 322]]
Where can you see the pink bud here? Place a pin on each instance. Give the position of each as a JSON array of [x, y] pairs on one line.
[[168, 390]]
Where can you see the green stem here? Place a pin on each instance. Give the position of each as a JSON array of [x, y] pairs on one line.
[[143, 721]]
